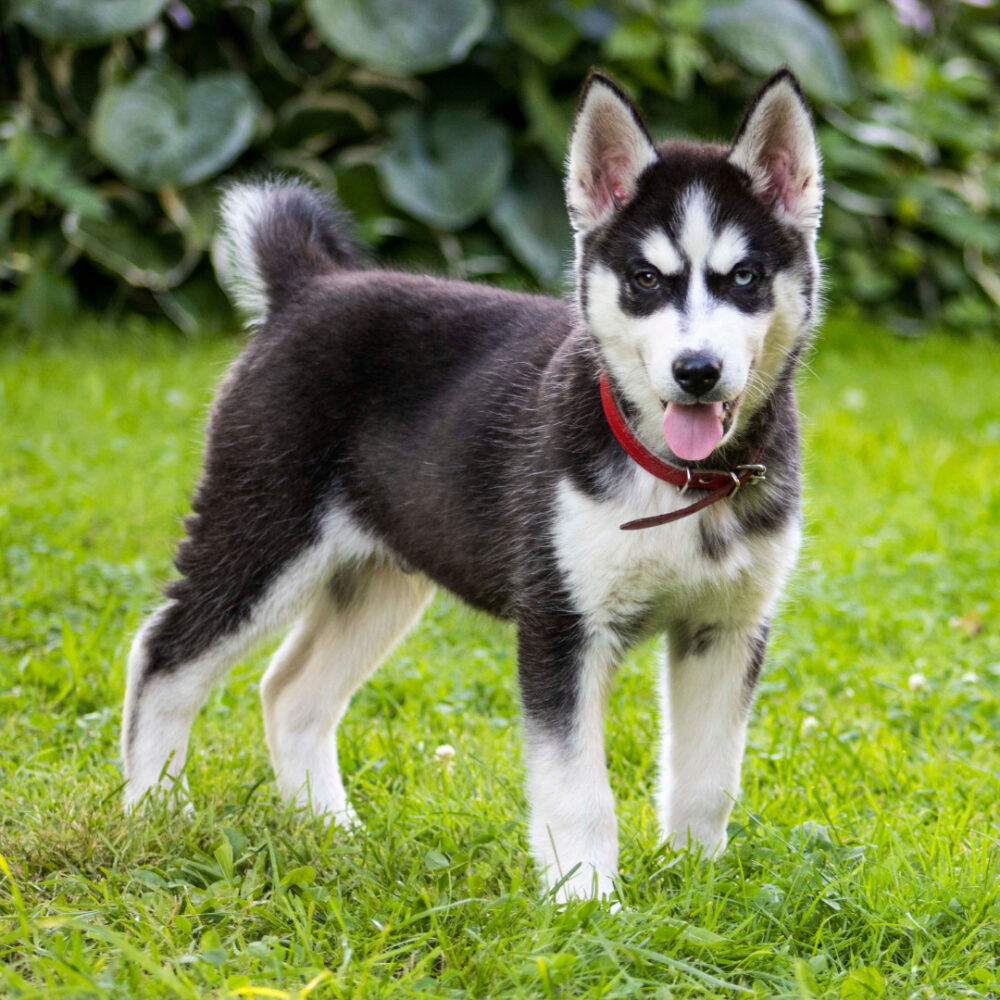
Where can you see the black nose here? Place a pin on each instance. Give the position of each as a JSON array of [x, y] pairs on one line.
[[697, 372]]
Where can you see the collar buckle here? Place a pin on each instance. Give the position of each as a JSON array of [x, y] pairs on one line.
[[752, 472], [720, 483], [687, 481]]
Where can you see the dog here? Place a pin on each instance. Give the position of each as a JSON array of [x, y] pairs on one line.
[[598, 469]]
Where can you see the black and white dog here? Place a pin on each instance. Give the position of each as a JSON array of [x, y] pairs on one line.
[[386, 432]]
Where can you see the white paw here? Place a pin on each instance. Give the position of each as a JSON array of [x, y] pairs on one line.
[[337, 811], [345, 819], [168, 791], [710, 843], [585, 882]]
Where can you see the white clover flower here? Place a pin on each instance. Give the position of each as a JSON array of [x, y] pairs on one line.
[[855, 399], [917, 682], [809, 725]]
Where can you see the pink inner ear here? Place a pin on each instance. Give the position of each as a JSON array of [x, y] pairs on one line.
[[610, 188], [782, 187]]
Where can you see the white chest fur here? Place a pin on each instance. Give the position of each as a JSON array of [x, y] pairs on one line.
[[616, 575]]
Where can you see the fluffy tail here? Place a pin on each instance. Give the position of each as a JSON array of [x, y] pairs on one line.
[[275, 236]]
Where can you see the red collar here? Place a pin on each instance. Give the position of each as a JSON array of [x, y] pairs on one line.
[[720, 483]]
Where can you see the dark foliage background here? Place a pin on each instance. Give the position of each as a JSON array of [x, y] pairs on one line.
[[442, 125]]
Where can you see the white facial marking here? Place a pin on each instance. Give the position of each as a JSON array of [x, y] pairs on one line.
[[628, 343], [658, 249], [640, 351], [729, 249], [697, 234]]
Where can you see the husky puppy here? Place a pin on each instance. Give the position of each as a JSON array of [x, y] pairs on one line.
[[385, 433]]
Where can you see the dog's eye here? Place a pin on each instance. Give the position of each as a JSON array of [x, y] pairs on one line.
[[647, 280], [743, 277]]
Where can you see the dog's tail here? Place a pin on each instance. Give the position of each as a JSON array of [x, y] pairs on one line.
[[275, 236]]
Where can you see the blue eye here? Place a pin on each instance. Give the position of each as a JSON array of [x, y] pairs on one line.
[[743, 277]]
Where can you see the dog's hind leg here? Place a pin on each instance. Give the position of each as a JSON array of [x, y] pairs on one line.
[[231, 598], [170, 673], [335, 647]]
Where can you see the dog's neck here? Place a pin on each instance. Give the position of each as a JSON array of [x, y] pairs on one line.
[[752, 435]]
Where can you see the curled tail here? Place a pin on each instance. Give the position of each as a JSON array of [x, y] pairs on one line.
[[275, 236]]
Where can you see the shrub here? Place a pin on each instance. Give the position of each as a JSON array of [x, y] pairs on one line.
[[442, 126]]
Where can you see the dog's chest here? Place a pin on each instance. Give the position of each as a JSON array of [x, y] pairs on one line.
[[653, 573]]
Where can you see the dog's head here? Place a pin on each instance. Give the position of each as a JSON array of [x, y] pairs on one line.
[[696, 264]]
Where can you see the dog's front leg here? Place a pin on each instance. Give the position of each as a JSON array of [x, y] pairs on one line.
[[565, 675], [706, 694]]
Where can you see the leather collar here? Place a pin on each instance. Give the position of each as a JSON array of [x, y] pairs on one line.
[[720, 483]]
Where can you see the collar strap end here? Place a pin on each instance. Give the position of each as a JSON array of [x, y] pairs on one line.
[[720, 483]]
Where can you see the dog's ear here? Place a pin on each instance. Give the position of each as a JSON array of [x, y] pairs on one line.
[[608, 150], [776, 146]]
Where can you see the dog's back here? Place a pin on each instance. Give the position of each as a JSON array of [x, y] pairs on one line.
[[408, 403]]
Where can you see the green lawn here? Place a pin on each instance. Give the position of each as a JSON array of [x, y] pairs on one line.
[[864, 856]]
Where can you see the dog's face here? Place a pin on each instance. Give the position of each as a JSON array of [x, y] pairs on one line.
[[696, 265]]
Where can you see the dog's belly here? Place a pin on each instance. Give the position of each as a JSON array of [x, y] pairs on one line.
[[647, 579]]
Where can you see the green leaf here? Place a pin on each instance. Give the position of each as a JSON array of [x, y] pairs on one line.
[[764, 35], [149, 877], [865, 983], [702, 937], [547, 34], [530, 215], [85, 23], [315, 121], [640, 38], [160, 129], [195, 212], [984, 976], [805, 979], [549, 120], [237, 840], [44, 301], [357, 186], [810, 836], [44, 164], [157, 261], [962, 225], [305, 875], [436, 861], [197, 306], [446, 170], [396, 37], [987, 38]]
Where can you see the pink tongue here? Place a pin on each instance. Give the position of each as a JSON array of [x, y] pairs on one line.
[[693, 431]]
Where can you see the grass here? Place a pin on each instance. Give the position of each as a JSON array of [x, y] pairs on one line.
[[864, 855]]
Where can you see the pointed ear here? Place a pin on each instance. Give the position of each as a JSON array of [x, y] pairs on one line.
[[776, 146], [608, 150]]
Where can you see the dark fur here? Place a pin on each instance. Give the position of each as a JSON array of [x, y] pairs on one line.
[[442, 415]]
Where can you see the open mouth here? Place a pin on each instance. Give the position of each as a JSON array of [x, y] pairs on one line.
[[729, 408], [693, 430]]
